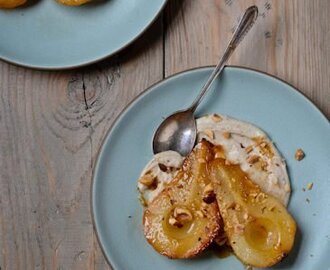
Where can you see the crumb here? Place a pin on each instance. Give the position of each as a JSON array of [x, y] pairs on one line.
[[199, 238], [307, 200], [252, 159], [263, 165], [310, 186], [227, 162], [226, 135], [299, 155], [129, 216], [249, 149], [216, 118], [303, 189], [147, 180], [209, 133]]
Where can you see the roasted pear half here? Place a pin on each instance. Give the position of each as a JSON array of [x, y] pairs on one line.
[[11, 3], [259, 228], [184, 218]]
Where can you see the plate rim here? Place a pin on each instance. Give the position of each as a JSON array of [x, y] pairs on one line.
[[94, 60], [145, 91]]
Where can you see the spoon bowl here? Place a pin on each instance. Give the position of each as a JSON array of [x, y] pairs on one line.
[[177, 132]]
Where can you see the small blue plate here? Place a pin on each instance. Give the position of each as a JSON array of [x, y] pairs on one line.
[[47, 35], [288, 117]]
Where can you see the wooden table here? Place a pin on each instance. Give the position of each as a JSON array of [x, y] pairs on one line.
[[52, 123]]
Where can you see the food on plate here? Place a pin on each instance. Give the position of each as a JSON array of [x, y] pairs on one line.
[[250, 147], [160, 171], [299, 155], [260, 230], [242, 143], [73, 2], [11, 3], [184, 218], [243, 172], [310, 186]]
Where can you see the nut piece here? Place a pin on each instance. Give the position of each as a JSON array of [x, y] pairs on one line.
[[147, 180], [219, 154], [310, 186], [221, 239], [208, 188], [227, 162], [216, 118], [260, 197], [174, 222], [203, 208], [208, 194], [263, 165], [239, 228], [209, 133], [249, 149], [299, 155], [200, 214], [252, 159], [226, 135], [182, 215]]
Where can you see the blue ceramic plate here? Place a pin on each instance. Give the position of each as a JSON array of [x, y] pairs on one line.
[[49, 35], [288, 117]]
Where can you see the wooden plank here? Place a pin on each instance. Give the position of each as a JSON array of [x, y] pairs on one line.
[[52, 125], [289, 40]]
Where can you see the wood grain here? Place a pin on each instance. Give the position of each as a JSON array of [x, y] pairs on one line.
[[52, 124], [290, 40]]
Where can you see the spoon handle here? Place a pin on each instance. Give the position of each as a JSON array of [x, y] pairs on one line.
[[244, 26]]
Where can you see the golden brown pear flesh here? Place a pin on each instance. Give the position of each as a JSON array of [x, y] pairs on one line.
[[11, 3], [184, 236], [73, 2], [259, 228]]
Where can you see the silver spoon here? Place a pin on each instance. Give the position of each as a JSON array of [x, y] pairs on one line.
[[178, 131]]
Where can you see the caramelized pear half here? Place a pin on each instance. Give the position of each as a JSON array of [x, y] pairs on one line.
[[11, 3], [184, 218], [73, 2], [259, 228]]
